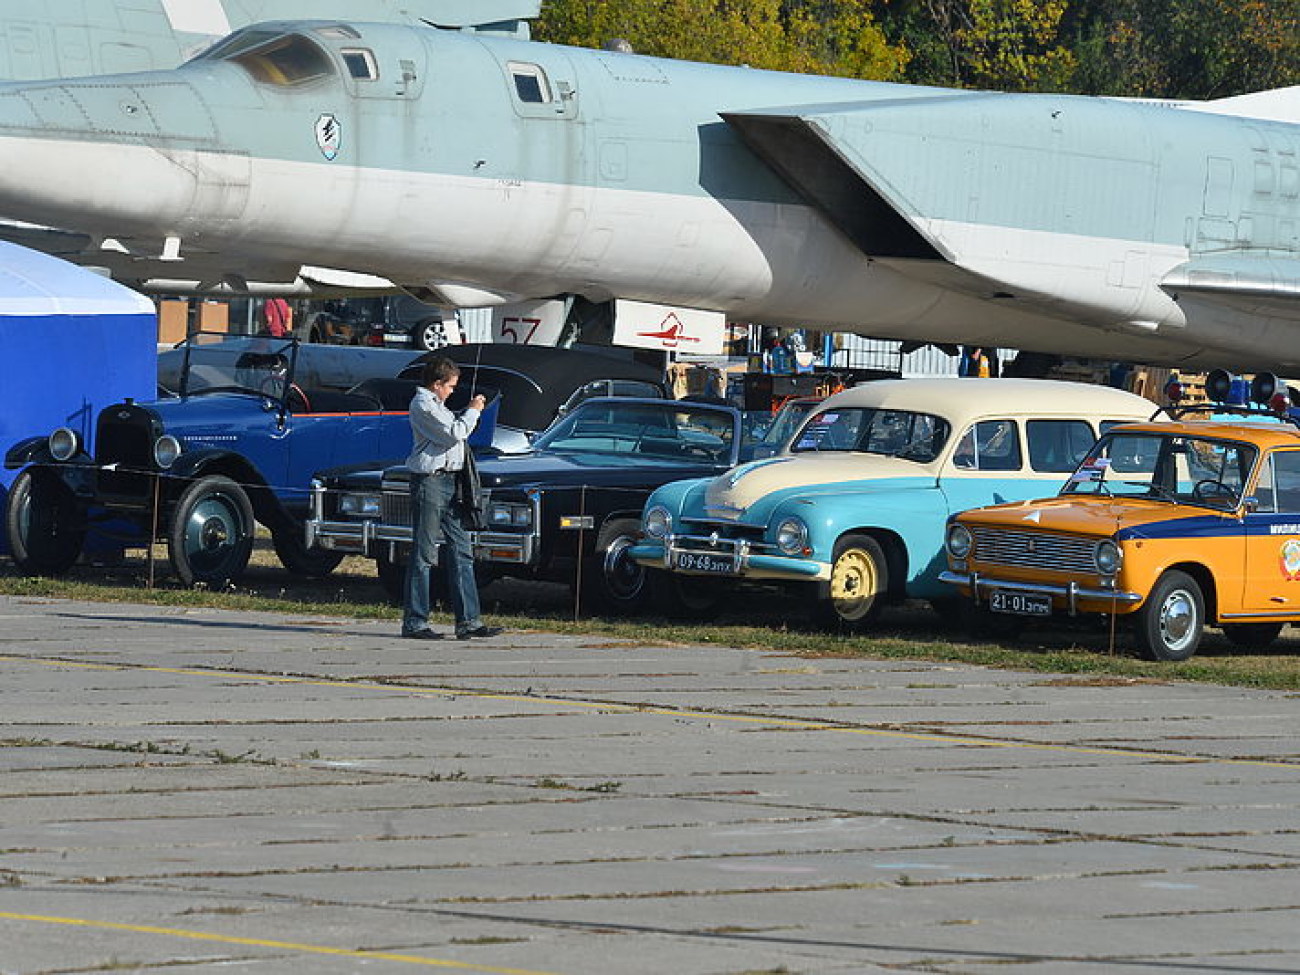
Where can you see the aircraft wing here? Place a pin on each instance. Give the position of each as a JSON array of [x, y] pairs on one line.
[[1247, 282], [827, 153], [954, 188]]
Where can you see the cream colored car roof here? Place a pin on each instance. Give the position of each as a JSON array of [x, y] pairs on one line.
[[962, 401]]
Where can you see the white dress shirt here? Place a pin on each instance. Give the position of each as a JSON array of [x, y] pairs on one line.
[[438, 435]]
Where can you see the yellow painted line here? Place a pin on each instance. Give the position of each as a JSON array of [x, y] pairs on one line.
[[795, 724], [265, 943]]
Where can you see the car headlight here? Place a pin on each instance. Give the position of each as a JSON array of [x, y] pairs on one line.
[[360, 505], [1107, 557], [958, 542], [658, 522], [503, 513], [792, 536], [63, 443], [165, 451]]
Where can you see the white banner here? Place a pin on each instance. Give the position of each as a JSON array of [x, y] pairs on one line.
[[646, 326], [529, 322]]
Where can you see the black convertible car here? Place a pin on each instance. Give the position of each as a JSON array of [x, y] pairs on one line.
[[566, 511], [537, 383]]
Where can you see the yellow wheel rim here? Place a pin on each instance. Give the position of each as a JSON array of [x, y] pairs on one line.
[[854, 584]]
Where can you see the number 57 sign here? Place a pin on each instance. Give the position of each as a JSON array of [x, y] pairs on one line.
[[529, 323]]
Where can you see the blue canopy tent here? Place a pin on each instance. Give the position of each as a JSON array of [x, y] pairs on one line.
[[71, 342]]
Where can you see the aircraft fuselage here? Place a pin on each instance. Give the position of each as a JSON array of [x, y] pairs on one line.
[[489, 169]]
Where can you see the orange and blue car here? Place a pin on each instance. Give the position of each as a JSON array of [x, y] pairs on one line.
[[1168, 526]]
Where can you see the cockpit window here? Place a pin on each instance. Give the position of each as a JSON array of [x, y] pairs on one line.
[[286, 60], [530, 83], [361, 64], [237, 43]]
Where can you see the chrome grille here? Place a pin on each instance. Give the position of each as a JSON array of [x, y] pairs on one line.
[[1034, 550], [706, 536], [395, 508], [724, 529]]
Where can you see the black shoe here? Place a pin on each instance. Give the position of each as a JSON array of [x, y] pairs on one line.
[[425, 634], [480, 631]]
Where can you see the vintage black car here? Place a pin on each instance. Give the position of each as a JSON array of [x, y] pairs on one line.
[[567, 511]]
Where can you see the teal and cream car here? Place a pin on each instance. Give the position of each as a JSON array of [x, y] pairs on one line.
[[853, 511]]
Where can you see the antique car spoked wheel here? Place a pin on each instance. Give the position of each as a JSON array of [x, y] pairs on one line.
[[1251, 636], [1171, 621], [43, 525], [611, 580], [211, 534], [859, 580]]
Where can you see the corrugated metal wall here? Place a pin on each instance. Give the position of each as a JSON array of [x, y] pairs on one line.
[[857, 352], [475, 324]]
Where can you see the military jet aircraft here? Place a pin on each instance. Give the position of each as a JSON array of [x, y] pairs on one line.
[[473, 170]]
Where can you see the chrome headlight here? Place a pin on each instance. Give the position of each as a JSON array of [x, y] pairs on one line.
[[63, 443], [1107, 557], [792, 536], [360, 505], [658, 522], [516, 515], [958, 542], [165, 451]]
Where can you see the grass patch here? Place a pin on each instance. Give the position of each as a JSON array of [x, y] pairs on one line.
[[911, 633]]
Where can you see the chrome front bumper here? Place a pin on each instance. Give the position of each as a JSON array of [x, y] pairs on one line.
[[1071, 593], [663, 553], [365, 537]]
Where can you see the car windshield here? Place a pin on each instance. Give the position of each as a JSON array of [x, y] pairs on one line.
[[249, 364], [1166, 467], [669, 430], [784, 423], [895, 433]]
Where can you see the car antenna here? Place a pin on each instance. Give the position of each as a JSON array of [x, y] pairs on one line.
[[478, 356]]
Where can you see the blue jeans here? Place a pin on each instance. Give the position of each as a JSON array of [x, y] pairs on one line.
[[434, 521]]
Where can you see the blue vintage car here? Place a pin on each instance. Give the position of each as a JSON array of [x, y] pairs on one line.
[[238, 445], [852, 512]]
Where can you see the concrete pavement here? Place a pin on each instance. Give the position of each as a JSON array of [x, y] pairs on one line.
[[268, 793]]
